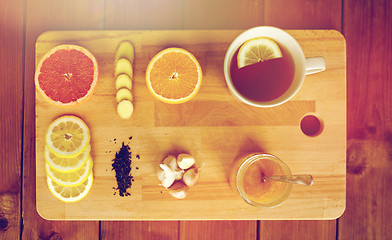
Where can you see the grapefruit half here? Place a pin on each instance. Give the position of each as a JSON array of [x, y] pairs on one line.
[[67, 75]]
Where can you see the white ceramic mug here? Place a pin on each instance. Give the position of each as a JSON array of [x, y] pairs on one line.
[[303, 66]]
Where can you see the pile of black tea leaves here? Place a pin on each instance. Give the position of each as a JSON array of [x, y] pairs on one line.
[[122, 166]]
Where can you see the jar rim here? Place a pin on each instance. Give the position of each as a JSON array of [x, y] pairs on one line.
[[244, 166]]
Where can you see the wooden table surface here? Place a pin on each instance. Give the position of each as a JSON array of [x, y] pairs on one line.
[[214, 127], [367, 27]]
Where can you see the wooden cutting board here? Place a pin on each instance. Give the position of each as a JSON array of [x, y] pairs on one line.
[[214, 127]]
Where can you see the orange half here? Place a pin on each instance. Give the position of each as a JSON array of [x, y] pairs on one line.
[[174, 76]]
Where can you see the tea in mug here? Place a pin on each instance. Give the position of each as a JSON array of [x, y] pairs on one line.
[[263, 81]]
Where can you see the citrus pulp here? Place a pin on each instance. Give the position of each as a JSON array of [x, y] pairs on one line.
[[257, 50], [66, 75], [174, 76]]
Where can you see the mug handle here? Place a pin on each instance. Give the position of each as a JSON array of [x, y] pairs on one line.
[[314, 65]]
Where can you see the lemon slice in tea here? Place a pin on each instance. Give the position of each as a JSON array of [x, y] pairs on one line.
[[257, 50]]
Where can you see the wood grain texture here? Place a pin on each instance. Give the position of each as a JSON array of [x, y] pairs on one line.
[[144, 14], [219, 15], [212, 198], [368, 31], [222, 113], [55, 15], [321, 230], [229, 230], [11, 117], [368, 183], [368, 115], [303, 14], [43, 229], [149, 230], [222, 14], [368, 133]]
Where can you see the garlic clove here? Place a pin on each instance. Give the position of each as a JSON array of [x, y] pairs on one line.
[[171, 161], [190, 177], [161, 174], [178, 190], [166, 175], [185, 161], [179, 174]]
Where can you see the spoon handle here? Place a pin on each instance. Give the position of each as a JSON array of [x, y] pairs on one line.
[[303, 179]]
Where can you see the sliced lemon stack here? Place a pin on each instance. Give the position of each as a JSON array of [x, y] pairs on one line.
[[124, 73], [68, 161]]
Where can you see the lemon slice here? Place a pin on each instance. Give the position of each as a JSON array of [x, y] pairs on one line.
[[67, 136], [67, 164], [70, 179], [257, 50], [70, 194]]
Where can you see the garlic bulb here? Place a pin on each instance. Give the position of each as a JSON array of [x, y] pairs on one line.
[[178, 174]]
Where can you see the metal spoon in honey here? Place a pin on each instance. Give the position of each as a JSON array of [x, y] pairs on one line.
[[302, 179]]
